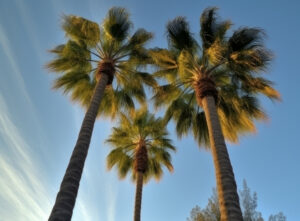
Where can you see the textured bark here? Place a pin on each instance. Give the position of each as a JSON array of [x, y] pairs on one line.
[[205, 86], [138, 197], [226, 186], [66, 197], [141, 158], [140, 167]]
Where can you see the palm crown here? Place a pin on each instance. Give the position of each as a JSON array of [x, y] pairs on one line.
[[228, 68], [90, 49], [140, 144]]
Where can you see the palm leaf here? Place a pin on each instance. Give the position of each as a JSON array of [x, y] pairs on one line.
[[80, 29], [179, 36], [117, 24]]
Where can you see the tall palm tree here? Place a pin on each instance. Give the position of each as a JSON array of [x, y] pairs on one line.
[[93, 56], [211, 90], [140, 146]]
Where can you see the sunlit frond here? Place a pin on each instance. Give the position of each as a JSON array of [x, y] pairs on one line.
[[186, 64], [163, 58], [140, 37], [68, 81], [260, 85], [70, 56], [164, 94], [80, 29]]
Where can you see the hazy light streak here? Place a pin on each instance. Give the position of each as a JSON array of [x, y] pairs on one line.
[[5, 44], [21, 184]]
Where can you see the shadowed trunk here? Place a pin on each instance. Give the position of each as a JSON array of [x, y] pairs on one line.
[[140, 166], [138, 197], [226, 186], [66, 197]]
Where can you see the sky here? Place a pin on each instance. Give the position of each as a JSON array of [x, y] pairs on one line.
[[39, 126]]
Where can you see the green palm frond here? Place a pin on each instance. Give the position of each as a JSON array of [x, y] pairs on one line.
[[117, 24], [81, 30], [164, 58], [125, 138], [179, 36], [184, 120], [115, 100], [71, 56], [246, 51], [211, 29], [200, 129], [70, 80], [246, 38], [163, 94], [121, 159], [260, 85], [140, 37], [186, 65]]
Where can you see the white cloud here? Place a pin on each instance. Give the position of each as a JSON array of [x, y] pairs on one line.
[[24, 194], [18, 85], [22, 186]]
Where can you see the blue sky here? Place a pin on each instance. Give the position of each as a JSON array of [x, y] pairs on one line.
[[39, 126]]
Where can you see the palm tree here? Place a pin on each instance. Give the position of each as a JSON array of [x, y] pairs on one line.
[[212, 90], [140, 146], [87, 65]]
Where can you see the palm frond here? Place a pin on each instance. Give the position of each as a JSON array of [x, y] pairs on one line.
[[70, 56], [164, 94], [80, 29], [117, 24], [211, 29], [70, 80], [179, 36], [139, 38], [245, 38], [184, 121], [200, 129]]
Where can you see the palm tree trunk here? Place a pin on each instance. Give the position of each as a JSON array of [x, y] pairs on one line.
[[226, 186], [66, 197], [138, 197]]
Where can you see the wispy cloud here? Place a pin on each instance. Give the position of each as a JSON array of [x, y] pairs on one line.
[[22, 185], [24, 192], [18, 84], [19, 81], [23, 189], [111, 198], [23, 195]]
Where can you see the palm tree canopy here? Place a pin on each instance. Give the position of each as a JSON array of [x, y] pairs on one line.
[[234, 64], [78, 61], [125, 139]]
